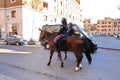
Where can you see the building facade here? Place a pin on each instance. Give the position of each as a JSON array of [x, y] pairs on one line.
[[89, 27], [24, 17], [106, 26]]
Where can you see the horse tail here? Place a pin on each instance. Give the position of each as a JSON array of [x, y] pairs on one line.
[[86, 46], [89, 45], [87, 49]]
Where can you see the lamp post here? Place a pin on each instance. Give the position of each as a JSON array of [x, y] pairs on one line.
[[5, 19]]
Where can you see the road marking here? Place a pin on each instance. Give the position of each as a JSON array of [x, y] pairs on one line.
[[13, 51]]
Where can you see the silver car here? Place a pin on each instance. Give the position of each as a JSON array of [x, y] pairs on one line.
[[15, 39]]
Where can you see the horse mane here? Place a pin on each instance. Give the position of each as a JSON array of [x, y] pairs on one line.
[[50, 34]]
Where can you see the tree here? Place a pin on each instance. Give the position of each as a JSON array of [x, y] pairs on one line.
[[35, 4]]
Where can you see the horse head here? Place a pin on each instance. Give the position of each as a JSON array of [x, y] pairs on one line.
[[42, 35], [45, 35]]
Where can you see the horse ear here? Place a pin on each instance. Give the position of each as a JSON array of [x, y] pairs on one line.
[[39, 29]]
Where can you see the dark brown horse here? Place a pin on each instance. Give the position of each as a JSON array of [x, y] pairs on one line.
[[75, 44]]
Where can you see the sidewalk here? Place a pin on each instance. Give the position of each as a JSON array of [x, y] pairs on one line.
[[107, 42], [4, 77]]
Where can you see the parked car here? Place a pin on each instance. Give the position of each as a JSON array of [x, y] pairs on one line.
[[15, 39], [78, 32]]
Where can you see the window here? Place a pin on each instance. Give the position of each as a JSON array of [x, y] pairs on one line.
[[45, 5], [69, 16], [13, 1], [61, 12], [73, 17], [118, 22], [109, 22], [115, 23], [54, 9], [13, 13], [61, 3], [45, 18], [55, 20], [98, 22]]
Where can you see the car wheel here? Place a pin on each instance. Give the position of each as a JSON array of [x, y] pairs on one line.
[[21, 44], [6, 43], [17, 43], [46, 46]]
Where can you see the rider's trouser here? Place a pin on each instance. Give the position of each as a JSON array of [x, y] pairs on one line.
[[57, 38]]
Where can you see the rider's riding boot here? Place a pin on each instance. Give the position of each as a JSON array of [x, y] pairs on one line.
[[55, 47]]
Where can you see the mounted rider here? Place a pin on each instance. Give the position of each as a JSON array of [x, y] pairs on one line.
[[70, 31], [63, 30]]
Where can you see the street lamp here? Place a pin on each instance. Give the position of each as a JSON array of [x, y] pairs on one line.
[[5, 19]]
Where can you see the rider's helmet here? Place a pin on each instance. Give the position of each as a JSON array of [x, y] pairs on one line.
[[70, 23], [64, 22]]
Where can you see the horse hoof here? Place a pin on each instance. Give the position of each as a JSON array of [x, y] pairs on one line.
[[48, 64], [62, 65], [76, 69]]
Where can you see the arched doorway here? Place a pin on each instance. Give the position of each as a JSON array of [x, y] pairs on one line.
[[14, 30]]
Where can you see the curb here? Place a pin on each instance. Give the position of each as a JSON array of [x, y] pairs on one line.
[[109, 48]]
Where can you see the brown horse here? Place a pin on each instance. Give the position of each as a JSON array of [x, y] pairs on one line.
[[51, 35], [75, 44]]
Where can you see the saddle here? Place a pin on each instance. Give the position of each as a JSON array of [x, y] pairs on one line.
[[62, 44]]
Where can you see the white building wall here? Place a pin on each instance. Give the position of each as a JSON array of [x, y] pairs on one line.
[[68, 7], [31, 21], [2, 23]]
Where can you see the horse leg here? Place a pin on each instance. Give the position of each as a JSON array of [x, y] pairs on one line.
[[65, 55], [79, 60], [80, 65], [51, 54], [60, 57]]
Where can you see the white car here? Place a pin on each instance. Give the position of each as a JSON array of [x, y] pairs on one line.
[[78, 32]]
